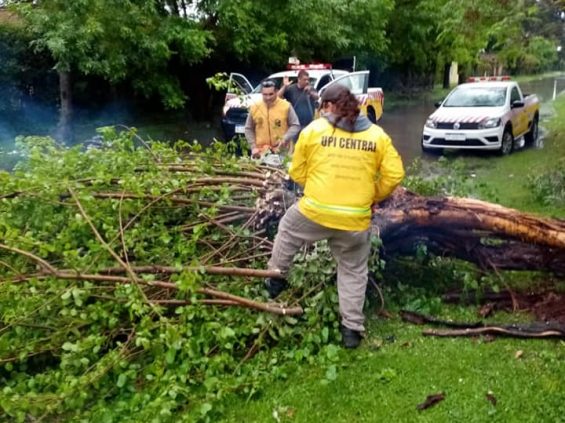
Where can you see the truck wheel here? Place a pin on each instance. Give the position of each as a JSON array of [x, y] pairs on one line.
[[507, 143], [372, 115], [532, 136]]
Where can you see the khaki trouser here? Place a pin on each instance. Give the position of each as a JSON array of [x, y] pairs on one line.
[[349, 248]]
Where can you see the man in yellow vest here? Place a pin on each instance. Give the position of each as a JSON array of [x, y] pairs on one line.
[[346, 165], [272, 123]]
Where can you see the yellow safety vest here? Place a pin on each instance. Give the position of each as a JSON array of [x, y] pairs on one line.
[[270, 123], [344, 173]]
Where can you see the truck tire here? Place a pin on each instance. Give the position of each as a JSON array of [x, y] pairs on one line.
[[372, 115], [507, 144], [532, 136]]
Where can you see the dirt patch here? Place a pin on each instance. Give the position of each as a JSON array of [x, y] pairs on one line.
[[549, 306]]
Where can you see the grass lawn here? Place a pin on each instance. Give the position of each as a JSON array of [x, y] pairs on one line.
[[396, 367]]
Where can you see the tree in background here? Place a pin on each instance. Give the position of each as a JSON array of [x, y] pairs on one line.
[[414, 51], [163, 47], [468, 26], [530, 45], [150, 43], [425, 36], [265, 33], [116, 40]]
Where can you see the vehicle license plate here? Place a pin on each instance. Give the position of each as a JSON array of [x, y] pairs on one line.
[[455, 137], [239, 129]]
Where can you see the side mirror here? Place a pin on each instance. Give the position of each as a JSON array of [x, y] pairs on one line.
[[438, 103], [517, 104]]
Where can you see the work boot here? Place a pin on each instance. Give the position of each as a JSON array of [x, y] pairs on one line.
[[275, 286], [350, 338]]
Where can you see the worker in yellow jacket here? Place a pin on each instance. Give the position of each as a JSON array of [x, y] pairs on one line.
[[346, 165], [272, 123]]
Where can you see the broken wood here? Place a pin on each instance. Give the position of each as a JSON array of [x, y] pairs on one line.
[[431, 400], [532, 330], [498, 330], [421, 319], [489, 235]]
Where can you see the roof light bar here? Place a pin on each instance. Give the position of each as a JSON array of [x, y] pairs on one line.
[[310, 66], [488, 78]]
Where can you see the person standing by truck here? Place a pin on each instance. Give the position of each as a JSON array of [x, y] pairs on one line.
[[301, 95], [346, 164], [271, 122]]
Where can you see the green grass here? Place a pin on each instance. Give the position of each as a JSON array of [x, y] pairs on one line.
[[397, 368]]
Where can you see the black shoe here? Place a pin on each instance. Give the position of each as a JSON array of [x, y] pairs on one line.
[[350, 338], [275, 286]]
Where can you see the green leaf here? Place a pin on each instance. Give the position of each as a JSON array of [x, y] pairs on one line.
[[227, 332], [331, 373], [325, 334], [122, 379], [69, 346], [170, 356], [205, 408]]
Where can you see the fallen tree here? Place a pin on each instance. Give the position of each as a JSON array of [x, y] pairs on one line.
[[130, 278]]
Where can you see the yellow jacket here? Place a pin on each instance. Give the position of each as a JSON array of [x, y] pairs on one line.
[[344, 172], [271, 124]]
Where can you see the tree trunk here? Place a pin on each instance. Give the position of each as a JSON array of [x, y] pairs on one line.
[[489, 235], [64, 127], [446, 71]]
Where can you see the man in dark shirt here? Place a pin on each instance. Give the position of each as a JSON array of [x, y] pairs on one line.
[[302, 97]]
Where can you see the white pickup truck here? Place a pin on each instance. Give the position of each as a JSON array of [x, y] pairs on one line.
[[490, 114], [371, 99]]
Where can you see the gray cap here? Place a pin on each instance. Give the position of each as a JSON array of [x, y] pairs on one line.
[[334, 92]]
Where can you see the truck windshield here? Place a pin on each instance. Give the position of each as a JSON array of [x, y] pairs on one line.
[[477, 97]]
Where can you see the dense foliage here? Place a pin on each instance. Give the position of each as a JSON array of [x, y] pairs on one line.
[[267, 32], [156, 46], [76, 348], [117, 41]]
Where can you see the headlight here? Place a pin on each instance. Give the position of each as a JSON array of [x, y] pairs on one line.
[[490, 123], [430, 123]]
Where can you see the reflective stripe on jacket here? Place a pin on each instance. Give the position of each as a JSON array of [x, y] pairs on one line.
[[271, 123], [344, 173]]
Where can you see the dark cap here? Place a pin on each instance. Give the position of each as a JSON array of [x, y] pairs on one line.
[[334, 92]]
